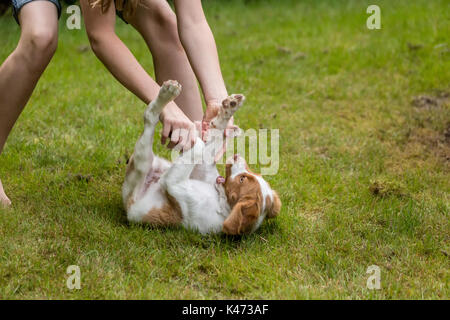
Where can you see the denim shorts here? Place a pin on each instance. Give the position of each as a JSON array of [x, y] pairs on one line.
[[18, 4]]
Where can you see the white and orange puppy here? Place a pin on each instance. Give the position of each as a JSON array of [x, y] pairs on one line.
[[190, 191]]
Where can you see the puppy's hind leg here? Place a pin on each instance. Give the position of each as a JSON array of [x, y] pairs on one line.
[[142, 159], [182, 168]]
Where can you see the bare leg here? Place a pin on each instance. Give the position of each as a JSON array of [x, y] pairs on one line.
[[21, 71], [123, 65], [141, 163], [4, 200], [157, 23]]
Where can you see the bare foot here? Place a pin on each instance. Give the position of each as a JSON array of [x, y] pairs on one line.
[[4, 200]]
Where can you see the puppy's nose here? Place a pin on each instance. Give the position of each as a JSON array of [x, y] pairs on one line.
[[236, 157], [220, 180]]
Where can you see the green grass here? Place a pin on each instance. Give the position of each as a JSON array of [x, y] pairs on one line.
[[364, 174]]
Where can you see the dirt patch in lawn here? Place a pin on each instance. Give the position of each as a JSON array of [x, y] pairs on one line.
[[425, 134], [430, 132], [430, 141], [440, 99]]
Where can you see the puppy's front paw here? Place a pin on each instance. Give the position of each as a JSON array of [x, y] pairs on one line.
[[233, 103], [229, 106], [169, 90]]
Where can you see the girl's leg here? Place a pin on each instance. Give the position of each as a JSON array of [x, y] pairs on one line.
[[157, 23], [4, 200], [20, 72], [123, 65]]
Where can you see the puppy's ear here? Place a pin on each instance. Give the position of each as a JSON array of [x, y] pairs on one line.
[[242, 217], [275, 208]]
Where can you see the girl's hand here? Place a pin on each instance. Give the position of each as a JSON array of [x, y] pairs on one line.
[[232, 130], [180, 131]]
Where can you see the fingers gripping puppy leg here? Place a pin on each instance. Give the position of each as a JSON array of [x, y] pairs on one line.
[[143, 151], [142, 159]]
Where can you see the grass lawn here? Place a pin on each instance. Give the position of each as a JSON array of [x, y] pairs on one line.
[[364, 121]]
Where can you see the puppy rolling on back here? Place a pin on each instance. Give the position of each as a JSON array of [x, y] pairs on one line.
[[190, 191]]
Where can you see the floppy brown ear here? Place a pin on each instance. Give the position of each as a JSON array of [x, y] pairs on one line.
[[276, 206], [242, 217]]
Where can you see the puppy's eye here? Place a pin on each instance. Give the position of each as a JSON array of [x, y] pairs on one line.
[[242, 179]]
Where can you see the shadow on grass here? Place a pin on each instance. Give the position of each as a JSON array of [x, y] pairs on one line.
[[174, 236]]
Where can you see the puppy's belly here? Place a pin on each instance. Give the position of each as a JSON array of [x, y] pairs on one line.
[[201, 207], [159, 166]]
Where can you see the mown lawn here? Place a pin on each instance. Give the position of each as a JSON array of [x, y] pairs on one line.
[[364, 123]]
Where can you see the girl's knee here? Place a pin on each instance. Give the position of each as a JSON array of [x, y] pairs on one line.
[[42, 41], [165, 18], [161, 16]]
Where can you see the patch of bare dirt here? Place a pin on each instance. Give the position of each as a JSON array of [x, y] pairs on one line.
[[431, 110], [414, 46], [296, 55], [431, 101], [425, 135], [428, 140]]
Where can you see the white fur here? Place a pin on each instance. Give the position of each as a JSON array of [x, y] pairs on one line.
[[201, 201]]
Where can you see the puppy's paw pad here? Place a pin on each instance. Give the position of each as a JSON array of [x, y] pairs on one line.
[[170, 89], [233, 102]]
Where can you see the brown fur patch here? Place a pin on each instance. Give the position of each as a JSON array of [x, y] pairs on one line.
[[245, 196], [242, 218], [268, 203], [275, 206], [168, 215]]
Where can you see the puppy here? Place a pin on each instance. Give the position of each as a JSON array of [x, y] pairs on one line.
[[190, 192]]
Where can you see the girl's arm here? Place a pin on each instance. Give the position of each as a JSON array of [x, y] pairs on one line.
[[126, 69], [200, 46]]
